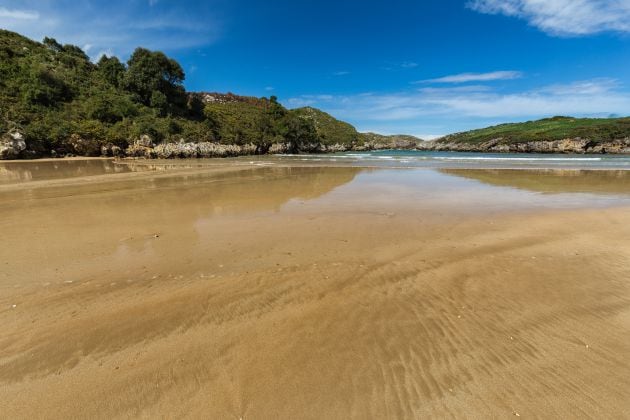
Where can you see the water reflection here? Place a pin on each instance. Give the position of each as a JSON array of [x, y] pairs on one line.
[[114, 225], [25, 171], [601, 182]]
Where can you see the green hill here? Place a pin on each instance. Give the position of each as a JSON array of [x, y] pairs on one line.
[[55, 101], [595, 130], [329, 130]]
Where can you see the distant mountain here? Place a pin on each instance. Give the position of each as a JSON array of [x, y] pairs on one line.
[[557, 134], [395, 141]]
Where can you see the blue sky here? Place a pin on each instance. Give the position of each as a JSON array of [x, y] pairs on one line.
[[420, 67]]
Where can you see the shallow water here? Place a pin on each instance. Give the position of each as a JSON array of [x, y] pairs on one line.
[[55, 216], [29, 171], [424, 159]]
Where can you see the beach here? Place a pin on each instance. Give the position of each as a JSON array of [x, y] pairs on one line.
[[289, 287]]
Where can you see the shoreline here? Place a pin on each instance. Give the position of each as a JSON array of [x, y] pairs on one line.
[[176, 158], [204, 150]]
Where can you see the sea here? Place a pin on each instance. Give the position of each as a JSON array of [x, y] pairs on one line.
[[430, 159]]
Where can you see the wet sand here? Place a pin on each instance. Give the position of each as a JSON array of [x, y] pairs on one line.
[[262, 292]]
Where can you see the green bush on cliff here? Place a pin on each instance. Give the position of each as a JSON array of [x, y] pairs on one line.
[[556, 128], [329, 130], [54, 93]]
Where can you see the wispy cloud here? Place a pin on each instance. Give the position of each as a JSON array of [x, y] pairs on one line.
[[409, 65], [475, 77], [18, 14], [116, 27], [563, 17], [399, 66], [341, 73], [451, 109]]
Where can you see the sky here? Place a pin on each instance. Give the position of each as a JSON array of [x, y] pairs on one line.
[[426, 68]]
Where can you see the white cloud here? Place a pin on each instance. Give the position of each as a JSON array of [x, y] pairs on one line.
[[563, 17], [115, 27], [448, 109], [18, 14], [341, 73], [475, 77]]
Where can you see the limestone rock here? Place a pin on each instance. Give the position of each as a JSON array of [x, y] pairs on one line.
[[144, 141], [111, 150], [278, 148], [12, 144], [84, 147], [572, 145]]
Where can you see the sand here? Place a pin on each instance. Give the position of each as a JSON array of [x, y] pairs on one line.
[[287, 292]]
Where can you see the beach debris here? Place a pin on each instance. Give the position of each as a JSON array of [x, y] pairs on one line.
[[516, 413], [13, 306], [157, 235]]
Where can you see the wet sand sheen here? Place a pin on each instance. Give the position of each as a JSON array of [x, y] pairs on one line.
[[313, 293]]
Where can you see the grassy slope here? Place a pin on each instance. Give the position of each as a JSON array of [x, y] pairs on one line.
[[556, 128], [329, 129]]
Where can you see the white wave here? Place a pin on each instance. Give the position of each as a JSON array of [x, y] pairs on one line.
[[563, 159]]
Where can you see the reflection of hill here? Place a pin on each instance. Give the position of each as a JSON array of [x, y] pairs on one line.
[[198, 192], [17, 171], [551, 180], [247, 190], [111, 224]]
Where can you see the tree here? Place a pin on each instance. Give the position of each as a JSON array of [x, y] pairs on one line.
[[298, 131], [159, 102], [109, 107], [42, 87], [52, 44], [111, 70], [152, 71]]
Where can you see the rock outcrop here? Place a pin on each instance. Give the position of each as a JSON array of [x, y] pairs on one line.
[[12, 144], [141, 147], [112, 150], [373, 141], [144, 147], [84, 147], [575, 145]]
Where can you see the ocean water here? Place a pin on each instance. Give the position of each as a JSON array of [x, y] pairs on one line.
[[428, 159]]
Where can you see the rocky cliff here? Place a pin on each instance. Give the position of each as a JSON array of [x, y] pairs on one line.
[[569, 145]]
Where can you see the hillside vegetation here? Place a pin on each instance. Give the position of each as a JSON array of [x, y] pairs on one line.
[[550, 129], [62, 103], [329, 130]]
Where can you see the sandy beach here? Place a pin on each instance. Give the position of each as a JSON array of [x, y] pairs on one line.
[[254, 291]]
